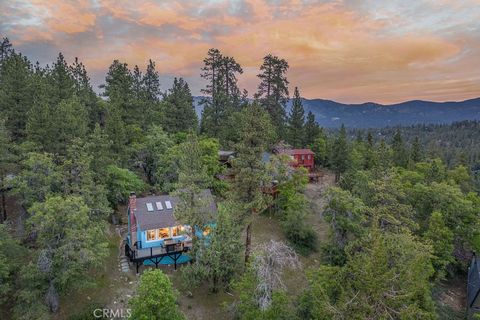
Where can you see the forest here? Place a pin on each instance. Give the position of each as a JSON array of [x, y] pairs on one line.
[[401, 214]]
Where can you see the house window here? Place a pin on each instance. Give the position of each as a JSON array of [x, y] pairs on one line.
[[308, 157], [151, 235], [303, 157], [163, 233], [175, 231], [206, 231]]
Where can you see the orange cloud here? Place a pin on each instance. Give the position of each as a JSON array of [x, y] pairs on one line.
[[335, 50]]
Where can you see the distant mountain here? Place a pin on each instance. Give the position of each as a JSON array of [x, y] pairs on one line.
[[331, 114]]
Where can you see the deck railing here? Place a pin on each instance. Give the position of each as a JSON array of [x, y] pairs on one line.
[[168, 247]]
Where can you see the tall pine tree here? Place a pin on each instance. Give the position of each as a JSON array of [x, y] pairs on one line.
[[179, 112], [296, 121], [250, 173], [273, 90]]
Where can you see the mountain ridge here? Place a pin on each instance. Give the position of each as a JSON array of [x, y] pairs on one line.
[[332, 114]]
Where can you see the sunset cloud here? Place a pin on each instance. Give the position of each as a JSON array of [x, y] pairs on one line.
[[342, 50]]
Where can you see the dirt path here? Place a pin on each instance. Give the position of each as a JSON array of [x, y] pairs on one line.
[[316, 194]]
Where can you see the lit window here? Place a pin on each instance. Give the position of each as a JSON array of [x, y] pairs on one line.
[[151, 235], [206, 231], [168, 204], [163, 233], [176, 231], [308, 157]]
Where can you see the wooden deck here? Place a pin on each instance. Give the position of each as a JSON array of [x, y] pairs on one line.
[[171, 249]]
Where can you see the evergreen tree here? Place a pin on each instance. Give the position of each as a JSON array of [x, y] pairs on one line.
[[61, 81], [384, 156], [416, 154], [6, 49], [39, 178], [69, 244], [250, 172], [7, 163], [11, 257], [151, 83], [116, 131], [150, 155], [192, 180], [400, 154], [54, 126], [179, 112], [386, 276], [441, 239], [119, 89], [370, 157], [16, 93], [222, 91], [312, 130], [273, 90], [296, 120], [84, 91], [99, 147], [340, 154], [217, 259]]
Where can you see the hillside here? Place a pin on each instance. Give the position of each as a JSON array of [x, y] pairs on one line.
[[331, 114]]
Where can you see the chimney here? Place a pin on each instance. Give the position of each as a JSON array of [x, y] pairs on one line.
[[132, 204], [132, 201]]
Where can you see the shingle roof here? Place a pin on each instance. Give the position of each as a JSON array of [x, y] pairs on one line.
[[162, 218]]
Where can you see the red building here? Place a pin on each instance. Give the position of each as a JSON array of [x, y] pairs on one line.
[[302, 158]]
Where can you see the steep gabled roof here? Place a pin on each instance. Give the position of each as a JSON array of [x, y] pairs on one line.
[[161, 215]]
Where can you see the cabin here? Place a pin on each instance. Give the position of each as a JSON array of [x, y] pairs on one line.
[[154, 235], [301, 157], [473, 288]]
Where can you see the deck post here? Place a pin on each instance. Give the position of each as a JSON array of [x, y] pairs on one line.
[[137, 266]]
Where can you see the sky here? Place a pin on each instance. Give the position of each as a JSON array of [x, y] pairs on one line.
[[350, 51]]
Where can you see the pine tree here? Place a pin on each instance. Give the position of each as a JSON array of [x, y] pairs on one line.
[[119, 89], [312, 130], [218, 255], [16, 93], [69, 243], [250, 172], [151, 83], [53, 127], [6, 49], [340, 154], [400, 154], [416, 155], [179, 112], [61, 81], [84, 91], [7, 162], [296, 120], [370, 157], [223, 94], [273, 90]]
